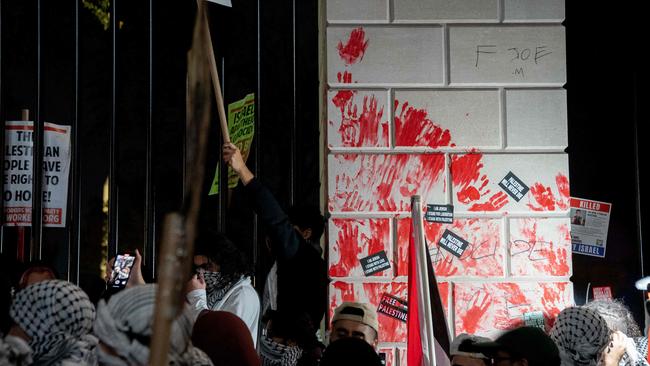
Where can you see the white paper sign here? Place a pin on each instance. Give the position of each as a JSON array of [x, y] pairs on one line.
[[18, 172], [589, 225]]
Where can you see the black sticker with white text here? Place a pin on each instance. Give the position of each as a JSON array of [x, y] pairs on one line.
[[374, 263], [514, 186], [453, 243], [443, 214]]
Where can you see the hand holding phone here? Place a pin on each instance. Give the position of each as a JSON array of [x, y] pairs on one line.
[[121, 271]]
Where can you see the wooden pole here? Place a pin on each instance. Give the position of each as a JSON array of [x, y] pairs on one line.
[[424, 304], [216, 84]]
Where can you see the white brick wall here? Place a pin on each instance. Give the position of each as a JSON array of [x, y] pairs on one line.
[[411, 110]]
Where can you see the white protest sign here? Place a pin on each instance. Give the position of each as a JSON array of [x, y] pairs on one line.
[[18, 172]]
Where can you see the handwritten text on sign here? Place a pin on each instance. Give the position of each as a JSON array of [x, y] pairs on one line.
[[18, 173]]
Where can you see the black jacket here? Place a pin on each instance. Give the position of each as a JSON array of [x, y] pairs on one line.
[[302, 273]]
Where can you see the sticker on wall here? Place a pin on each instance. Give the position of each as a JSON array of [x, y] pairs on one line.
[[534, 319], [393, 306], [375, 263], [602, 293], [514, 186], [453, 243], [443, 214], [589, 225]]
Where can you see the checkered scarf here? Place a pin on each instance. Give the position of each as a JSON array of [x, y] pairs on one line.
[[276, 354], [580, 334], [216, 286], [125, 324], [58, 317]]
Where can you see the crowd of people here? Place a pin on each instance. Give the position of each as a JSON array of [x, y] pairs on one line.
[[48, 321]]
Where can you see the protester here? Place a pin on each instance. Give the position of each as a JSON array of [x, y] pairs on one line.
[[619, 318], [223, 281], [520, 346], [460, 358], [350, 352], [300, 285], [225, 338], [15, 351], [36, 271], [288, 339], [583, 338], [355, 320], [124, 328], [55, 318]]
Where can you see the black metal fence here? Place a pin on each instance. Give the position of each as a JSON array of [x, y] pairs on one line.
[[115, 72]]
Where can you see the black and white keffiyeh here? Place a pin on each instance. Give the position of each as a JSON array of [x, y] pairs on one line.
[[15, 351], [216, 287], [125, 324], [276, 354], [58, 317], [580, 334]]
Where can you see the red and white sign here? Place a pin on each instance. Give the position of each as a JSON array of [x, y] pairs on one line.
[[18, 173], [602, 293], [589, 225]]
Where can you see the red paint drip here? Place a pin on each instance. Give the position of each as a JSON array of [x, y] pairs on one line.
[[473, 315], [466, 169], [468, 194], [413, 128], [354, 49], [563, 185], [496, 202], [514, 294]]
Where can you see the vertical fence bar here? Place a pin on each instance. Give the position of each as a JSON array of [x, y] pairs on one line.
[[149, 258], [2, 137], [74, 216], [37, 158], [293, 152], [112, 172]]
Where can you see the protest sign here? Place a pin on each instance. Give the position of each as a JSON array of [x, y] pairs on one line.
[[18, 173], [393, 306], [375, 263], [443, 214], [589, 225], [241, 126]]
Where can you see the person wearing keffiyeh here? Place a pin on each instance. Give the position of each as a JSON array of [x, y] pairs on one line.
[[124, 328], [583, 338], [222, 281], [55, 318]]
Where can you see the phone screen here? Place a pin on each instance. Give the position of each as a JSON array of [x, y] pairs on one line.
[[121, 271]]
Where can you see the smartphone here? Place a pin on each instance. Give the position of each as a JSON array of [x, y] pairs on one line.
[[121, 271]]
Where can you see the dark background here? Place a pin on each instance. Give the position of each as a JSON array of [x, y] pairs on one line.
[[131, 82]]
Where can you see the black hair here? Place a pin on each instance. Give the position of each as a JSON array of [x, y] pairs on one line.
[[292, 326], [308, 217], [349, 352], [220, 250]]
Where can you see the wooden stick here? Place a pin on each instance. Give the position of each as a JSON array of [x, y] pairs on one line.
[[216, 84], [424, 305]]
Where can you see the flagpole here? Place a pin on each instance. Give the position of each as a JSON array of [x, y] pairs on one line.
[[424, 305]]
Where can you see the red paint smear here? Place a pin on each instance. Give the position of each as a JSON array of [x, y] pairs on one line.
[[468, 194], [352, 246], [466, 169], [362, 130], [354, 49], [514, 294], [342, 98], [495, 203], [473, 315], [413, 128], [345, 77], [544, 197], [367, 182], [552, 300]]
